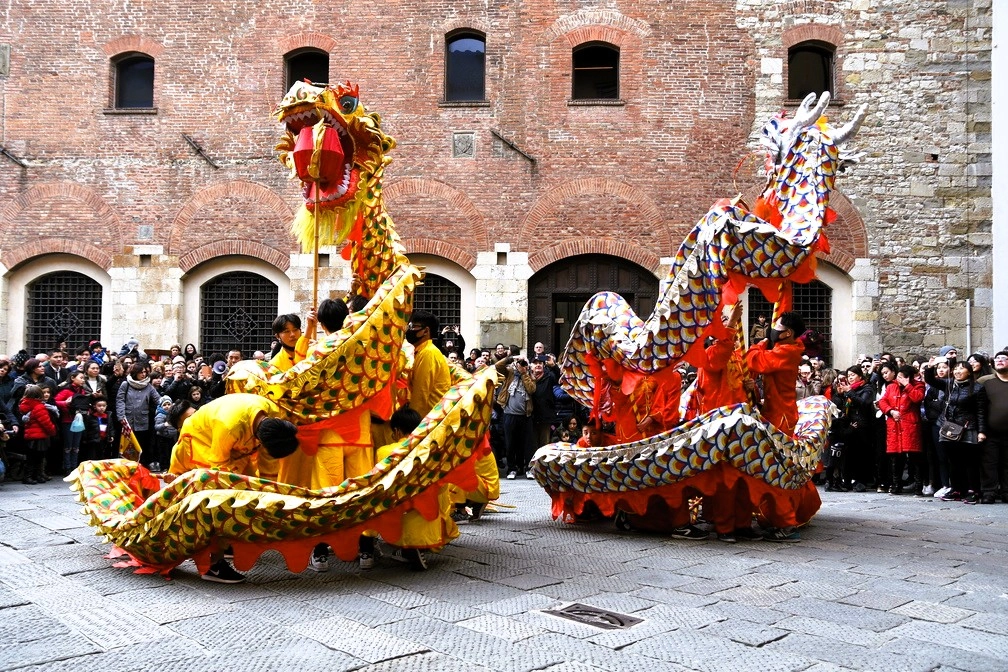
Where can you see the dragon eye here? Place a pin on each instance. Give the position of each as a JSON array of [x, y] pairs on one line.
[[347, 104]]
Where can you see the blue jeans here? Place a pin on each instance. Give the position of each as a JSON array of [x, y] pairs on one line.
[[71, 447]]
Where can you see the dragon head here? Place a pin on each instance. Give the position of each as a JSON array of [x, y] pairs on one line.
[[364, 146], [803, 156]]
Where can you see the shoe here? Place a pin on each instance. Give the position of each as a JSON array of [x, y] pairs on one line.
[[512, 475], [952, 496], [319, 562], [747, 534], [529, 476], [229, 553], [415, 557], [941, 492], [928, 491], [366, 561], [155, 467], [971, 498], [30, 481], [787, 535], [895, 490], [726, 537], [689, 532], [621, 521], [460, 515], [859, 487], [477, 511], [880, 488], [222, 572], [989, 498]]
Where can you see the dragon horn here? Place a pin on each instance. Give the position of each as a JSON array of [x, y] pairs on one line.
[[808, 115], [844, 134]]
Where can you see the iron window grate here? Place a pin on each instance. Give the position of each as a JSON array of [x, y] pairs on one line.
[[813, 301], [440, 296], [237, 311], [62, 306]]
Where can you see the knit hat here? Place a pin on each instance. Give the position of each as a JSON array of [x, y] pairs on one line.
[[166, 400], [179, 359], [945, 349], [18, 360]]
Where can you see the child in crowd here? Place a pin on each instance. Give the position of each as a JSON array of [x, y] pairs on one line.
[[165, 435], [39, 428], [95, 443]]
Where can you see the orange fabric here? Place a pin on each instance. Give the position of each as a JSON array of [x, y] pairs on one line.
[[650, 397], [730, 498], [779, 367], [720, 382]]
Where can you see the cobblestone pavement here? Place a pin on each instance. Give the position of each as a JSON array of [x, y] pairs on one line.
[[877, 582]]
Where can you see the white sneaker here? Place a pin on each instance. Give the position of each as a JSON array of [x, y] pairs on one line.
[[512, 475], [942, 492], [928, 491], [366, 561], [319, 563]]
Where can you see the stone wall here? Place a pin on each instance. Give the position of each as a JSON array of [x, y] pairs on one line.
[[629, 179]]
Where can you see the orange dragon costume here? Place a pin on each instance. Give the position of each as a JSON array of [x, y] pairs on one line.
[[730, 455]]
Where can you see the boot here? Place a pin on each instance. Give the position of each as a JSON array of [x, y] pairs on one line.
[[897, 476]]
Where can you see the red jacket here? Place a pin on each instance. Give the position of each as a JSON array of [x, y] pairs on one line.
[[720, 382], [903, 436], [779, 367], [39, 425], [64, 402]]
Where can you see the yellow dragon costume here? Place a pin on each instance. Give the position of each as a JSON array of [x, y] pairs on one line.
[[339, 151]]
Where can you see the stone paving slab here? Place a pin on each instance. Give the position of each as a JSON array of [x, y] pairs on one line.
[[877, 583]]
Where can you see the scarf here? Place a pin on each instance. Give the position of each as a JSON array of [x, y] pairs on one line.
[[137, 384]]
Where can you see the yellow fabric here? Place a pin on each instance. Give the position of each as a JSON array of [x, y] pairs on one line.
[[418, 532], [339, 459], [301, 348], [431, 378], [220, 435], [283, 360]]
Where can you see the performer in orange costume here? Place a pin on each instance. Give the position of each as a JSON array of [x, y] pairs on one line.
[[721, 382], [642, 406], [777, 358]]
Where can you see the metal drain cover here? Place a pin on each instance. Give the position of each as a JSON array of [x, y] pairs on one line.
[[599, 618]]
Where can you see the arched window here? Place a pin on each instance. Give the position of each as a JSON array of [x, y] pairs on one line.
[[134, 81], [440, 296], [813, 301], [311, 64], [465, 66], [237, 311], [595, 71], [810, 68], [62, 306]]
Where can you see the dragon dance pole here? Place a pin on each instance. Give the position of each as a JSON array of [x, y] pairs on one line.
[[315, 264]]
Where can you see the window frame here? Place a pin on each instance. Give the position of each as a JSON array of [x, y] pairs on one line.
[[303, 52], [451, 38], [117, 64], [823, 49], [595, 100]]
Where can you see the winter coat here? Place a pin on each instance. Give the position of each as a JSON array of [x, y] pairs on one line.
[[962, 404], [71, 400], [903, 435], [39, 425], [137, 406], [543, 403]]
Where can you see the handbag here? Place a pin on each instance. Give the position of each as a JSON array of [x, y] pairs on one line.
[[951, 431], [78, 423]]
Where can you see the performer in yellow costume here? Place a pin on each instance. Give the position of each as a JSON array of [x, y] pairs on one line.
[[227, 433]]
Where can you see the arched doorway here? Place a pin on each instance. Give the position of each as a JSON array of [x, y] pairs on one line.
[[558, 292], [441, 297], [62, 306], [237, 311]]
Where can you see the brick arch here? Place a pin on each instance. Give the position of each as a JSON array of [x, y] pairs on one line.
[[272, 229], [474, 222], [848, 235], [463, 22], [606, 25], [312, 39], [441, 248], [812, 31], [45, 211], [244, 248], [126, 43], [40, 247], [616, 248], [649, 217]]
